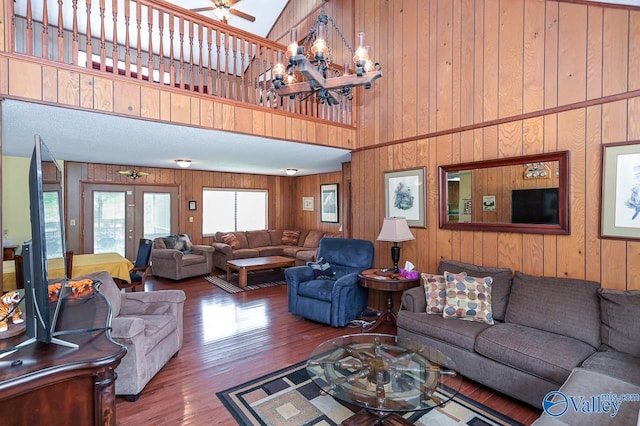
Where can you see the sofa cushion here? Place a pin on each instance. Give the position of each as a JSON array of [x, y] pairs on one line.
[[458, 333], [193, 259], [156, 328], [547, 355], [270, 250], [276, 237], [467, 298], [245, 253], [313, 239], [306, 255], [317, 289], [565, 306], [231, 240], [291, 251], [290, 238], [620, 316], [500, 289], [435, 292], [259, 238], [616, 364]]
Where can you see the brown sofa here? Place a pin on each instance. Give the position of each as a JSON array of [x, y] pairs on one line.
[[250, 244], [549, 334]]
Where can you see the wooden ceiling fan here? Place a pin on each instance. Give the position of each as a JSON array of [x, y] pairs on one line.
[[133, 174], [223, 10]]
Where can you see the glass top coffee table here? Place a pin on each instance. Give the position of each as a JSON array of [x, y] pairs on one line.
[[384, 375]]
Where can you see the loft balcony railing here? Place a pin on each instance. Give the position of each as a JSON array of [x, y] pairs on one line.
[[159, 43]]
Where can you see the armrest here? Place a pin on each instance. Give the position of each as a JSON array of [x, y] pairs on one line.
[[126, 328], [346, 280], [202, 249], [224, 248], [414, 299], [166, 254], [298, 274], [158, 302]]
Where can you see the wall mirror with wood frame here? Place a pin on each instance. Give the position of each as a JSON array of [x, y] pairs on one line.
[[527, 194]]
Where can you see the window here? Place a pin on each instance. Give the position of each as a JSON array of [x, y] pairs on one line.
[[233, 210]]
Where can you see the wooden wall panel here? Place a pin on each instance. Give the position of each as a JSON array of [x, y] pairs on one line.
[[482, 61]]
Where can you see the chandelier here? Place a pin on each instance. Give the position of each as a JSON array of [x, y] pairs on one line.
[[322, 78]]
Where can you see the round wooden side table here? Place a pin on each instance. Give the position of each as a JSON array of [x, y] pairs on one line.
[[376, 279]]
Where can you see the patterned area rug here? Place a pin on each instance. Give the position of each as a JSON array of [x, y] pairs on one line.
[[255, 280], [289, 397]]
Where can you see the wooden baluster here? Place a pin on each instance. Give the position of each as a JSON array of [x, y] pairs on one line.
[[29, 41], [212, 89], [114, 42], [181, 37], [88, 47], [161, 46], [227, 93], [172, 66], [243, 69], [127, 38], [200, 59], [234, 68], [103, 42], [45, 30], [192, 82], [150, 50], [139, 44], [75, 34], [60, 33], [218, 82]]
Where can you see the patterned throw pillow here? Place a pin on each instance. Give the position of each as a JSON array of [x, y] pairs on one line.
[[435, 292], [468, 298], [321, 270], [231, 240], [290, 238]]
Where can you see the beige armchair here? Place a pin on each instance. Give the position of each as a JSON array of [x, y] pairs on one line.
[[174, 257], [150, 325]]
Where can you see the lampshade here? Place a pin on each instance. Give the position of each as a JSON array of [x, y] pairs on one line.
[[183, 163], [291, 172], [395, 229]]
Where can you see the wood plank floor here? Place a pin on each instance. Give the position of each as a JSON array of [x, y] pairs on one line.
[[232, 338]]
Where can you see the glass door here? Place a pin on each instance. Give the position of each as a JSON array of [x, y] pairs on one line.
[[117, 216]]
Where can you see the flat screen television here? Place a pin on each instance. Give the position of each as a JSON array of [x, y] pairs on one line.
[[538, 206], [47, 241]]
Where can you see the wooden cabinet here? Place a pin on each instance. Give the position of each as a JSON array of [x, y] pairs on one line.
[[57, 385]]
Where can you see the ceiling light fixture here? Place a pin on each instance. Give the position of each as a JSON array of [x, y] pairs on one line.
[[323, 79], [291, 172], [133, 174], [183, 163], [222, 12]]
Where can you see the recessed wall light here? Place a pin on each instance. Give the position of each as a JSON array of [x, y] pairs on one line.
[[291, 172], [183, 163]]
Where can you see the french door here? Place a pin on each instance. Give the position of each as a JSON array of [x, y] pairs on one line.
[[117, 216]]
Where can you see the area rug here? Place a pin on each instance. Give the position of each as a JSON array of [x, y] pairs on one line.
[[289, 397], [255, 280]]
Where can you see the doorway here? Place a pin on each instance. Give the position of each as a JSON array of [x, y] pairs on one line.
[[116, 217]]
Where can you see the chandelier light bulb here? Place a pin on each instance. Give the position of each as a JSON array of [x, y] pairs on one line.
[[292, 49], [320, 50]]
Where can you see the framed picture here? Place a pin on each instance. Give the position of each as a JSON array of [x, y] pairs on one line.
[[405, 195], [307, 204], [620, 201], [193, 205], [488, 203], [329, 203]]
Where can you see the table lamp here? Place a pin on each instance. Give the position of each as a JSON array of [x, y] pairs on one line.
[[395, 229]]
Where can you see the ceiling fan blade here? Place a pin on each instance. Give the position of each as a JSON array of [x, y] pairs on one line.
[[242, 15], [202, 9]]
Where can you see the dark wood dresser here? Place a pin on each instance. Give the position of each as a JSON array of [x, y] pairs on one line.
[[57, 385]]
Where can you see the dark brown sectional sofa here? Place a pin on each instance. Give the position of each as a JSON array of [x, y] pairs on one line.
[[267, 243], [549, 334]]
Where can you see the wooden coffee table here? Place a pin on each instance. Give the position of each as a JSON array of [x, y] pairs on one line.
[[256, 264]]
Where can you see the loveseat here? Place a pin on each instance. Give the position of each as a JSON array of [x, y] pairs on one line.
[[176, 257], [548, 334], [149, 324], [301, 245]]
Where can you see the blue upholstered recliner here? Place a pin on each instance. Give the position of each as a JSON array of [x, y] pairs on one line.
[[334, 302]]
